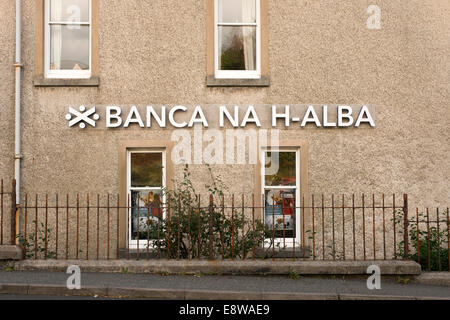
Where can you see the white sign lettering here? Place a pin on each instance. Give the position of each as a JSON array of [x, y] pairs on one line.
[[180, 116]]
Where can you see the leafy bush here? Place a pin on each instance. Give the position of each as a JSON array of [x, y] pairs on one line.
[[31, 245], [190, 230], [420, 239]]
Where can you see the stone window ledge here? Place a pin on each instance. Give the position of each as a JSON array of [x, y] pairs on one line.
[[211, 81], [46, 82]]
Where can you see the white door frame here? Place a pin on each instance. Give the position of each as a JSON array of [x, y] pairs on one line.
[[288, 241], [133, 243]]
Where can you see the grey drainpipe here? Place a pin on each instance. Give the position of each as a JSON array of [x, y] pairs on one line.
[[18, 66]]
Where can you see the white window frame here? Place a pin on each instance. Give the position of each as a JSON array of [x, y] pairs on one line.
[[65, 74], [280, 241], [237, 74], [133, 243]]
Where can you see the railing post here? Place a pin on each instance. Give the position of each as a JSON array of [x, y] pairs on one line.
[[211, 210], [13, 212], [405, 226]]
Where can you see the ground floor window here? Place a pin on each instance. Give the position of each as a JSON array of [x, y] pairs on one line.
[[281, 188], [145, 185]]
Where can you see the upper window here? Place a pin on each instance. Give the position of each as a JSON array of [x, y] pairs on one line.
[[68, 38], [237, 39]]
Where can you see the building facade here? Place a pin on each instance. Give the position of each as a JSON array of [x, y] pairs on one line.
[[391, 59]]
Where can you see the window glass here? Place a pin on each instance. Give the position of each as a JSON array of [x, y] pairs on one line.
[[279, 212], [280, 169], [69, 47], [69, 10], [145, 192], [237, 48], [237, 11], [146, 170], [280, 192], [146, 206]]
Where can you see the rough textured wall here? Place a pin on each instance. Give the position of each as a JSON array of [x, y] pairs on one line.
[[153, 52], [7, 56]]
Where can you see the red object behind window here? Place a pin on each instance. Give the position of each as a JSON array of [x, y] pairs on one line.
[[288, 206]]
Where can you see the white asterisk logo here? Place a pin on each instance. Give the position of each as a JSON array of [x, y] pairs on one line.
[[82, 117]]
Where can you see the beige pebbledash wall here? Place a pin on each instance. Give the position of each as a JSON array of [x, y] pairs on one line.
[[7, 55], [320, 52]]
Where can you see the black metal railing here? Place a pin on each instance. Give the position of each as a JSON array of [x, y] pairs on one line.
[[313, 227]]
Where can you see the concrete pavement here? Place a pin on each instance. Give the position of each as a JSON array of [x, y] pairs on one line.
[[163, 286]]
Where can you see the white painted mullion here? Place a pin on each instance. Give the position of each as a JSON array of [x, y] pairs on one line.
[[297, 197], [69, 23], [90, 38], [47, 41], [237, 24], [216, 37], [280, 187], [128, 205], [258, 37]]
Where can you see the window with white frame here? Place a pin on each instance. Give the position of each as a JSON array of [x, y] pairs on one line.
[[237, 39], [280, 188], [68, 38], [145, 185]]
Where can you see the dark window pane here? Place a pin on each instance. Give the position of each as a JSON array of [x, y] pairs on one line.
[[235, 11], [237, 48], [280, 212], [145, 207], [146, 170], [69, 47], [281, 169]]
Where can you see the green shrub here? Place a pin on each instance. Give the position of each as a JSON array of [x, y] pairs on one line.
[[420, 239], [35, 243], [188, 225]]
